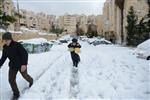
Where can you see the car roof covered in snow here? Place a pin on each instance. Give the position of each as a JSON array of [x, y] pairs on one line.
[[93, 39], [34, 41], [96, 39], [145, 45]]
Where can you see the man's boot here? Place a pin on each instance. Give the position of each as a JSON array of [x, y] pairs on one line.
[[30, 83], [16, 96]]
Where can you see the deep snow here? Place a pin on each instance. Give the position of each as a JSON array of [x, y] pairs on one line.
[[105, 72]]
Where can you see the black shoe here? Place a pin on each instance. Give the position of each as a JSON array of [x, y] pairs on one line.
[[15, 97], [30, 84], [76, 65]]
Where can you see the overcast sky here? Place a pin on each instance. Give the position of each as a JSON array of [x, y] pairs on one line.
[[60, 7]]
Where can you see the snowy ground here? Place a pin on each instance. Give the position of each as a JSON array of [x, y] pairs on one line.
[[105, 72]]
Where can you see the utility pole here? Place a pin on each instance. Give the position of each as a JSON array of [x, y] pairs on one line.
[[1, 11], [18, 11]]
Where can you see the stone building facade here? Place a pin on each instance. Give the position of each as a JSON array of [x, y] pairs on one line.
[[115, 17]]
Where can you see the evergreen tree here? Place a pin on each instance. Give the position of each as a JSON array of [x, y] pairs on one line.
[[131, 27], [144, 27], [5, 20], [56, 30]]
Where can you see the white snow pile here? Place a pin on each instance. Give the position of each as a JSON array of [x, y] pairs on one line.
[[34, 41]]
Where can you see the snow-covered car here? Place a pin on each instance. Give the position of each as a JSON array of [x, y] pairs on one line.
[[37, 45], [96, 41], [66, 38], [143, 50], [55, 42], [83, 38], [72, 36], [90, 40], [63, 41]]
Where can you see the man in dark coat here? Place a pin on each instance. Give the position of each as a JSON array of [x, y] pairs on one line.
[[18, 58], [75, 57]]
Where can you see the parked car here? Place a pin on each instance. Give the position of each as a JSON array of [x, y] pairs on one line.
[[143, 50], [67, 38], [96, 41], [91, 40], [54, 42], [63, 41], [38, 45], [73, 36], [83, 38]]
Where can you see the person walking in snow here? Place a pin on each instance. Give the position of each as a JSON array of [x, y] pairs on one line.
[[74, 49], [18, 58]]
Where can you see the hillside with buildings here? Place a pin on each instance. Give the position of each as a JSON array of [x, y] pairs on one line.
[[111, 24]]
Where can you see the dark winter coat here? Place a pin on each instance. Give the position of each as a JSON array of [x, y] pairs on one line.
[[16, 53], [74, 56], [77, 45]]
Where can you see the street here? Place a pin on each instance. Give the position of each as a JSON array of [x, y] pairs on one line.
[[105, 72]]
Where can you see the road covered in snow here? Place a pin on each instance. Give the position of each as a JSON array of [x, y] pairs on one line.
[[105, 72]]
